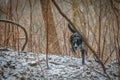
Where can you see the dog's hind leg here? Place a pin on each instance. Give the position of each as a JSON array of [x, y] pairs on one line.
[[83, 57]]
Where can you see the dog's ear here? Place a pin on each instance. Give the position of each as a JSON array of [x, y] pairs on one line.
[[71, 28]]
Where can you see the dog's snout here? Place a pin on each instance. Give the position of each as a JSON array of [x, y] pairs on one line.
[[75, 46]]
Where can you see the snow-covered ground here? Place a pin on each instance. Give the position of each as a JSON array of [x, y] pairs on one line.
[[31, 66]]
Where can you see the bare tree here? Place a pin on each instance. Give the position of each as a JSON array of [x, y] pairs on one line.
[[52, 40]]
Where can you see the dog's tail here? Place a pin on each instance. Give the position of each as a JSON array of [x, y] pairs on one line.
[[71, 29]]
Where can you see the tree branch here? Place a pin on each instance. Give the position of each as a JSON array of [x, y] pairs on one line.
[[18, 25], [82, 37]]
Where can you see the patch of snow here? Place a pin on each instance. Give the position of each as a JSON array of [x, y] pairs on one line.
[[30, 66]]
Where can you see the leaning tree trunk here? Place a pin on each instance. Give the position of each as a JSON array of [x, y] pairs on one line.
[[53, 43]]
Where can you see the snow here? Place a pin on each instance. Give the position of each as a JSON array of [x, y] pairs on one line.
[[30, 66]]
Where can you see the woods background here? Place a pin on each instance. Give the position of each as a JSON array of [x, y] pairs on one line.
[[97, 19]]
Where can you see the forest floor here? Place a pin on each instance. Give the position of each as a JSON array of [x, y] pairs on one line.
[[30, 66]]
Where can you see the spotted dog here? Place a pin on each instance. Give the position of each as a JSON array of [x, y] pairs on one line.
[[76, 42]]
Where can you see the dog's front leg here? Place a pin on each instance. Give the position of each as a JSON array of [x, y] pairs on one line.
[[73, 50]]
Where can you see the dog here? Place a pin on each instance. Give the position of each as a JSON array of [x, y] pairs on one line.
[[76, 42]]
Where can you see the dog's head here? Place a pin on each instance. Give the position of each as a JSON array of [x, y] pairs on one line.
[[75, 41]]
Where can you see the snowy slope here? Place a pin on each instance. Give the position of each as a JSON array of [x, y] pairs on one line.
[[31, 66]]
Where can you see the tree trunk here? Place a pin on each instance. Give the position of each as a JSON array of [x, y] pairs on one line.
[[53, 44], [30, 29]]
